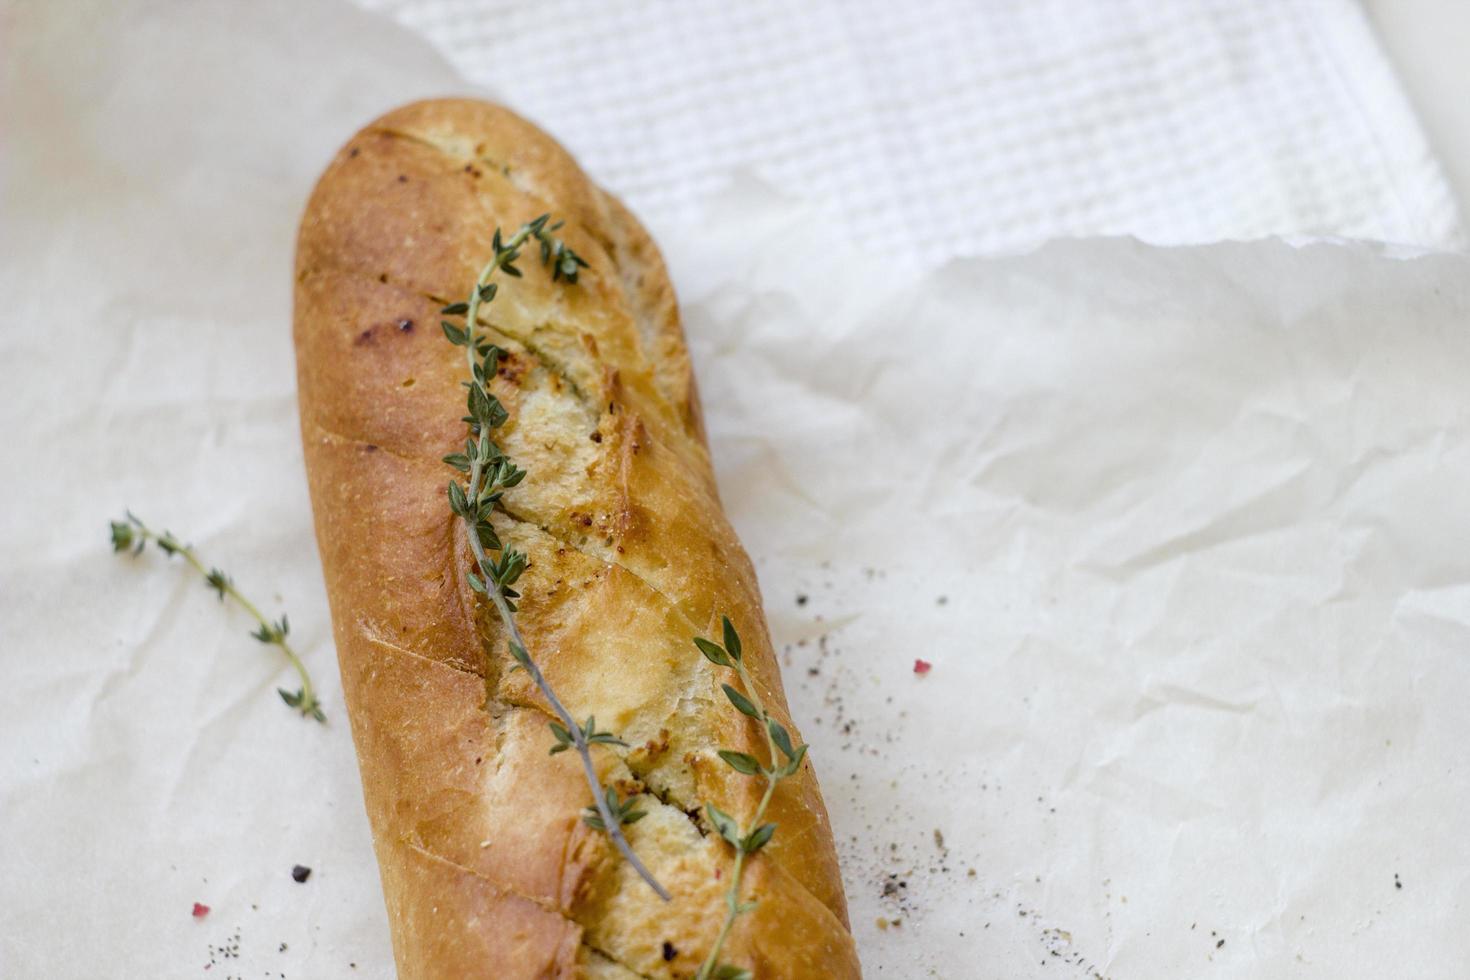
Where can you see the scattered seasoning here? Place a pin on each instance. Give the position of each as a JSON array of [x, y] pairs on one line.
[[200, 911], [1396, 883], [228, 950], [300, 873], [669, 952], [596, 436], [905, 867], [1219, 944], [405, 325], [801, 600]]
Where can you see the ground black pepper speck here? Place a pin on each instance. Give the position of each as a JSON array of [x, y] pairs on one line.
[[911, 871]]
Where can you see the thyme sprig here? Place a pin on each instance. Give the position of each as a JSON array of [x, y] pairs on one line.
[[490, 473], [133, 535], [749, 839]]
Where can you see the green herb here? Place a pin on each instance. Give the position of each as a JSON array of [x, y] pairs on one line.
[[133, 535], [490, 473], [755, 835], [622, 812]]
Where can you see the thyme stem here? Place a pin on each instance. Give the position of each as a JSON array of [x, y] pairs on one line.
[[133, 533], [614, 830], [732, 897], [611, 823], [754, 835]]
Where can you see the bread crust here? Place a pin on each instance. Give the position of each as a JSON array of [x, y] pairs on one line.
[[487, 869]]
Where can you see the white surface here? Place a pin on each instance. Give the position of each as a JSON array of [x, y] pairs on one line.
[[1198, 516], [1426, 41], [960, 127], [149, 207]]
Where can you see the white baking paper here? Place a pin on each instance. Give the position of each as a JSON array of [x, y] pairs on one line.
[[1183, 534]]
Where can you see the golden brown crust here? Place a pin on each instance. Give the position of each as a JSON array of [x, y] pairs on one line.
[[488, 870]]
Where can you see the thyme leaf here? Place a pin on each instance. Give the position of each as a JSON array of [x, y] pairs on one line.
[[746, 843], [488, 474], [132, 535]]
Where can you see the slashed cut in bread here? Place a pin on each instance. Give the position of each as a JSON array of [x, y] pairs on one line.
[[487, 867]]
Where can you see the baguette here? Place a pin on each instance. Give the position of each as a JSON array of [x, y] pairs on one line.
[[487, 868]]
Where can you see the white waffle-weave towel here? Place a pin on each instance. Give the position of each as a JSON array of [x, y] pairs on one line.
[[952, 127]]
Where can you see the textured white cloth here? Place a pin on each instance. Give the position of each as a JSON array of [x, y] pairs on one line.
[[976, 126]]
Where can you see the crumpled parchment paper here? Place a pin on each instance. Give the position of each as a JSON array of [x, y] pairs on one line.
[[1182, 533]]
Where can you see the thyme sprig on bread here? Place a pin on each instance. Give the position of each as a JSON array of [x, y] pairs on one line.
[[133, 535], [489, 474], [754, 835]]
